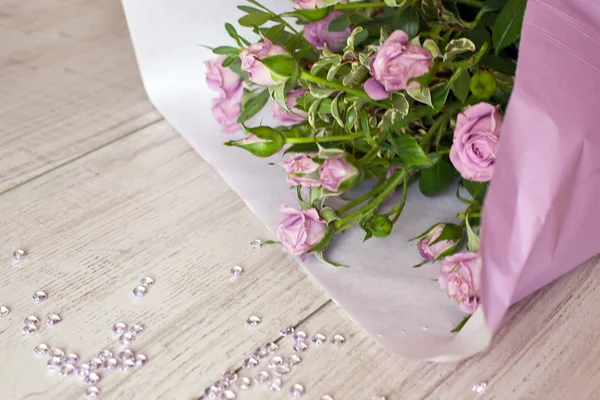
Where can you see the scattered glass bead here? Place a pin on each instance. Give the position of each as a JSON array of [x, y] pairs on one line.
[[119, 328], [126, 365], [71, 358], [261, 353], [41, 349], [227, 395], [250, 363], [147, 281], [4, 311], [19, 254], [53, 319], [57, 353], [236, 271], [221, 385], [105, 354], [244, 383], [136, 329], [379, 398], [92, 392], [297, 390], [126, 338], [140, 291], [29, 329], [83, 370], [39, 296], [66, 370], [319, 338], [281, 370], [54, 363], [338, 340], [326, 397], [140, 360], [287, 331], [95, 363], [211, 392], [126, 355], [256, 244], [275, 385], [230, 376], [294, 360], [275, 361], [110, 363], [32, 319], [92, 378], [480, 387], [253, 320], [300, 336], [272, 347], [262, 377], [300, 347]]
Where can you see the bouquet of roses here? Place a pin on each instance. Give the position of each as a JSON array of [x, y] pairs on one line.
[[399, 95]]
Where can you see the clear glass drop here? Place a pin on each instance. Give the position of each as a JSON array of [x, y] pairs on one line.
[[300, 347], [287, 331], [147, 281], [297, 390], [140, 291], [256, 244], [54, 363], [319, 338], [57, 353], [92, 392], [41, 349], [137, 329], [95, 363], [262, 377], [92, 378], [140, 360], [377, 397], [300, 336], [326, 397], [110, 363], [253, 320], [66, 370], [221, 385], [83, 369], [126, 365], [29, 329], [236, 271], [244, 383], [250, 363], [275, 361], [272, 347], [338, 340], [39, 296], [275, 385], [19, 254], [227, 395], [4, 311], [261, 353], [480, 387], [211, 392], [294, 359], [126, 354], [71, 358], [230, 376], [126, 338], [105, 354], [53, 319], [119, 328], [281, 370], [32, 319]]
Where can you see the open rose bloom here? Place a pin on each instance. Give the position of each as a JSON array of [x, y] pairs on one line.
[[540, 218]]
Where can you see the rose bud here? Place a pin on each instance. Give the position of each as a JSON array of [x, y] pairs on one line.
[[310, 4], [473, 151], [432, 249], [262, 141], [337, 174], [257, 71], [228, 106], [380, 226], [286, 118], [396, 62], [300, 231], [483, 85], [302, 170], [318, 33], [460, 278]]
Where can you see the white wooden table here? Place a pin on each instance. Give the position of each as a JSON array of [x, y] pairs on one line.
[[101, 191]]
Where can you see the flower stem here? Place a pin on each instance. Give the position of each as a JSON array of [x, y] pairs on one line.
[[361, 199], [322, 139], [358, 5], [471, 215], [398, 209]]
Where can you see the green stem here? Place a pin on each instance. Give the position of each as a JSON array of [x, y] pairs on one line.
[[398, 209], [474, 3], [292, 140], [361, 199], [471, 215], [358, 5], [442, 119]]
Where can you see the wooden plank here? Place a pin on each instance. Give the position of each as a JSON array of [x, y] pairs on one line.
[[69, 83], [146, 205]]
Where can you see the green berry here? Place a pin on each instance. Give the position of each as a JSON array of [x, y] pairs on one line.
[[483, 85], [381, 226]]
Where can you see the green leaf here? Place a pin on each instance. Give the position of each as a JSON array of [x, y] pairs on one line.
[[477, 190], [254, 105], [303, 148], [394, 3], [460, 87], [461, 324], [472, 237], [328, 214], [409, 150], [256, 18], [278, 94], [421, 94], [228, 61], [324, 106], [335, 111], [435, 180], [321, 257], [320, 93], [312, 111], [432, 47], [248, 9], [340, 23], [276, 34], [509, 23], [236, 66], [232, 33], [456, 47], [500, 64], [311, 15], [283, 67], [399, 104], [450, 232], [227, 50], [407, 20]]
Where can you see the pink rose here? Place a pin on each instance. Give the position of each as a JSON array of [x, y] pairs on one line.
[[396, 61], [460, 278], [298, 167], [228, 106], [300, 231], [476, 135], [250, 57], [335, 171], [429, 250], [318, 33], [310, 4], [296, 116]]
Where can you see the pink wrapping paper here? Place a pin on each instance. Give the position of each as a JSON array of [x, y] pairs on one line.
[[540, 216]]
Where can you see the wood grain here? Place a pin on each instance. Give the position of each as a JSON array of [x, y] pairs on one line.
[[68, 83]]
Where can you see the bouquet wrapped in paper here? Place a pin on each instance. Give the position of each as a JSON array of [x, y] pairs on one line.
[[397, 135]]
